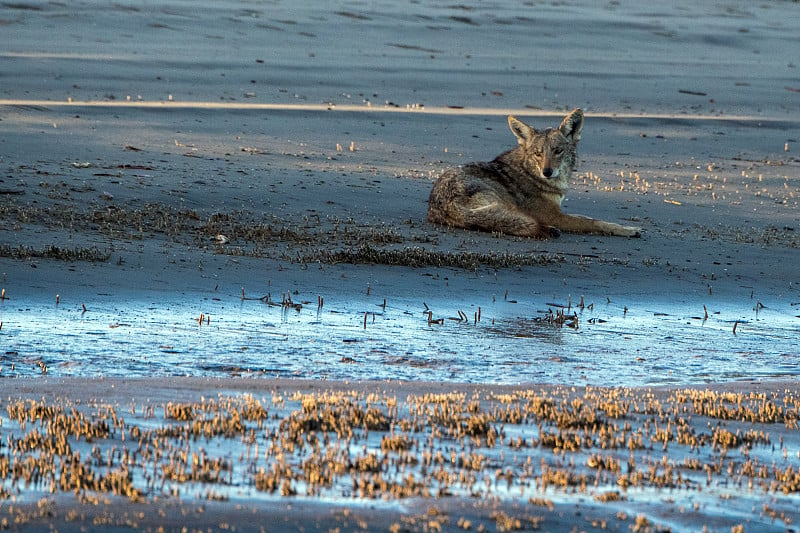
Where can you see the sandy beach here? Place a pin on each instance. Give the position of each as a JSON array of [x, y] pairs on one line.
[[227, 200]]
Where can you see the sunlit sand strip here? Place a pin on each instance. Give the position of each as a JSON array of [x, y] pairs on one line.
[[353, 108]]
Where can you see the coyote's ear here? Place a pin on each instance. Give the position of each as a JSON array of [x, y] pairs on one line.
[[572, 125], [521, 131]]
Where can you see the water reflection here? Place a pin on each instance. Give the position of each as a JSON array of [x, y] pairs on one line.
[[511, 343]]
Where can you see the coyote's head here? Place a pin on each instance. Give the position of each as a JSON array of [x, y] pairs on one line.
[[552, 153]]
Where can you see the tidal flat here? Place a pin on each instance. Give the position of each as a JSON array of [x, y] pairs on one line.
[[404, 456], [222, 307]]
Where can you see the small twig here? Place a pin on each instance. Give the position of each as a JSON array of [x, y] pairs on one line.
[[573, 321], [438, 321]]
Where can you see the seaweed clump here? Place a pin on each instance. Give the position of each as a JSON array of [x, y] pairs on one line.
[[417, 257], [91, 254]]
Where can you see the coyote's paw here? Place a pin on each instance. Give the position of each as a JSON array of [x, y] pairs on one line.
[[630, 231], [553, 232]]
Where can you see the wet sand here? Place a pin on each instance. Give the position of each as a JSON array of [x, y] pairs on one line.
[[298, 454], [162, 154]]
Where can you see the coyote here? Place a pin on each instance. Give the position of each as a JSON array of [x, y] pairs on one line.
[[520, 192]]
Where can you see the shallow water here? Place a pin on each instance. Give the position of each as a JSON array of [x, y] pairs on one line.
[[517, 341], [607, 457]]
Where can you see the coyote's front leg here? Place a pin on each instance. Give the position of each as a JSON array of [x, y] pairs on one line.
[[583, 224]]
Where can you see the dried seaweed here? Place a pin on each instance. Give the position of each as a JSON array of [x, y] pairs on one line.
[[420, 257], [91, 254]]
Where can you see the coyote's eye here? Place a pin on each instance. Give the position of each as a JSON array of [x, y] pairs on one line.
[[558, 151]]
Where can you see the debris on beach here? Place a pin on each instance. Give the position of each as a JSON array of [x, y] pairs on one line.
[[629, 448]]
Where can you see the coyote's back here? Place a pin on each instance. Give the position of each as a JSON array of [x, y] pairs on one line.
[[519, 192]]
